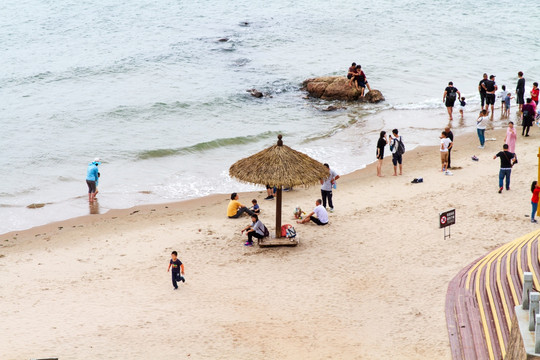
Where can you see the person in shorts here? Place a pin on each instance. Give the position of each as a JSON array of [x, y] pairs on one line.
[[351, 73], [397, 155], [449, 98], [446, 144], [491, 88], [92, 179], [482, 90], [462, 104]]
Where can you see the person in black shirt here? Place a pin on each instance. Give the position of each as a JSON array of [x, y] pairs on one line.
[[491, 88], [450, 135], [520, 90], [482, 90], [177, 269], [380, 151], [508, 159], [449, 97]]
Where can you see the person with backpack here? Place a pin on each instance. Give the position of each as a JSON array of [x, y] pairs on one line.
[[528, 114], [398, 149], [449, 98], [256, 229]]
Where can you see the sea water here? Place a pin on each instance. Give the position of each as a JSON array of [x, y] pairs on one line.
[[149, 88]]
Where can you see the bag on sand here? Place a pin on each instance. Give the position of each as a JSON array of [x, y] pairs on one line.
[[288, 231]]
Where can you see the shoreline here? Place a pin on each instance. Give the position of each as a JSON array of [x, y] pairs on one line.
[[382, 250], [391, 118]]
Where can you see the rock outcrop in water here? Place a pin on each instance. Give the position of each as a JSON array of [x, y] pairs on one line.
[[337, 88]]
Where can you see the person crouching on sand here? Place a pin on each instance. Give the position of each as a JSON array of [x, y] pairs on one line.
[[321, 215]]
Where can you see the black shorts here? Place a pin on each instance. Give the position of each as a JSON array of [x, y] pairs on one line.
[[397, 159], [450, 102], [349, 76], [91, 186], [316, 221], [490, 99]]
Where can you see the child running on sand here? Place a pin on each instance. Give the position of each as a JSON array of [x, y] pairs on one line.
[[177, 270]]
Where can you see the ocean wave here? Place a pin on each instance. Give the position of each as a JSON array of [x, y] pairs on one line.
[[205, 146]]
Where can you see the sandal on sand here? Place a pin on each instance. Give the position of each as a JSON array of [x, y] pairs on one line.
[[415, 181], [474, 158]]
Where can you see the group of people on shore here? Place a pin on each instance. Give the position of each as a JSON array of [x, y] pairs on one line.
[[258, 230]]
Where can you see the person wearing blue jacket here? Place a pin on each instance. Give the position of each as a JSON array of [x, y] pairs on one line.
[[92, 178]]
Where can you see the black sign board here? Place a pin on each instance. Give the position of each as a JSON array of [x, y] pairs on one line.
[[447, 218]]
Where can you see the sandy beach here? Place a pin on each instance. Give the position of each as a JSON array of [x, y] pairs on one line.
[[370, 285]]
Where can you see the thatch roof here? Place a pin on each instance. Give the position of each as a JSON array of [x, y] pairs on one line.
[[279, 165]]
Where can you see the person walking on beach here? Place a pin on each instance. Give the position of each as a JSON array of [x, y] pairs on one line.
[[177, 270], [520, 90], [449, 98], [326, 187], [319, 215], [446, 144], [462, 104], [235, 208], [528, 114], [450, 135], [255, 230], [491, 89], [380, 152], [507, 161], [481, 127], [92, 178], [535, 189], [482, 90], [397, 148], [511, 137]]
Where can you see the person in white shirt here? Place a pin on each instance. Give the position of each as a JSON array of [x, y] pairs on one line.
[[481, 127], [326, 187], [321, 216], [446, 144]]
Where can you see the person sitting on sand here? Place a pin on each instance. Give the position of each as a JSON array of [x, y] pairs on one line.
[[255, 208], [235, 208], [256, 229], [321, 216], [351, 73]]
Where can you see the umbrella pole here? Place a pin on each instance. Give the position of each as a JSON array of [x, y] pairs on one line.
[[278, 213]]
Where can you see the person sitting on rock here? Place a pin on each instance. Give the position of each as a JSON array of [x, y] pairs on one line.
[[351, 73], [361, 81]]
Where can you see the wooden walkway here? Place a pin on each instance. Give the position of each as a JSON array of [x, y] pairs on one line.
[[481, 298]]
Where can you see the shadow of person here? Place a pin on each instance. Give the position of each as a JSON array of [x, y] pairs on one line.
[[94, 207]]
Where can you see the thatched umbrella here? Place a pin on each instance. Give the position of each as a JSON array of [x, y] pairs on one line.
[[279, 166]]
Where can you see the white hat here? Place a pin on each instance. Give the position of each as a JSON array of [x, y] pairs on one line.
[[97, 160]]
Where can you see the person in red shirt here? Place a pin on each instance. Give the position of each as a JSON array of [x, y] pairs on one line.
[[534, 93], [535, 189]]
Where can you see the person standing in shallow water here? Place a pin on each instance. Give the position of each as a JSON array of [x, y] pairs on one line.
[[449, 98], [92, 178], [482, 90], [520, 90]]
